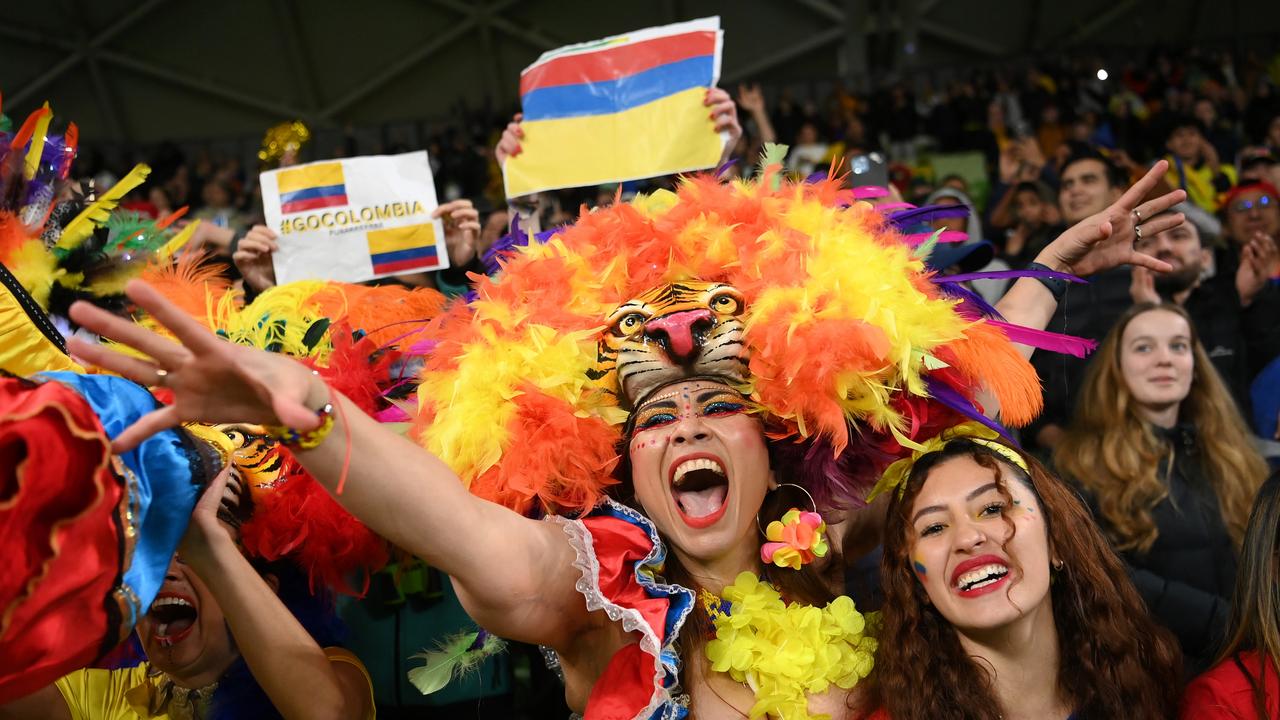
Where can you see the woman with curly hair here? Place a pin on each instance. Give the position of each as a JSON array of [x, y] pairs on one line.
[[1164, 458], [1002, 599], [1244, 684]]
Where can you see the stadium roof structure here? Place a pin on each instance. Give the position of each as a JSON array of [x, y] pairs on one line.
[[137, 71]]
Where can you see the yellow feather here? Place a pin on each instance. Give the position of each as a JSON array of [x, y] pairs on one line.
[[32, 161], [177, 241], [36, 270], [83, 225]]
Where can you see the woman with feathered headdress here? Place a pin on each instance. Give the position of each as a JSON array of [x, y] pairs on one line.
[[756, 353]]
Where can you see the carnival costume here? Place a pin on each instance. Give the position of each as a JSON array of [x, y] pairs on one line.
[[91, 533], [815, 306]]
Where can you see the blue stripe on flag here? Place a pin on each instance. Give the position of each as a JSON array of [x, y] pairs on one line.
[[611, 96], [313, 192], [410, 254]]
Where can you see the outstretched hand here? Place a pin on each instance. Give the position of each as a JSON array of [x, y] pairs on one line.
[[1106, 240], [212, 380]]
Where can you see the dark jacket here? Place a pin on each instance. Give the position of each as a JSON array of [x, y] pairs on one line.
[[1188, 576], [1086, 310], [1239, 341]]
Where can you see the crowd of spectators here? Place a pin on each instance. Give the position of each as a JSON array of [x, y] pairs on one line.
[[1030, 151]]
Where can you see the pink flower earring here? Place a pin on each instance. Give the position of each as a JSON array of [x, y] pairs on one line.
[[795, 539]]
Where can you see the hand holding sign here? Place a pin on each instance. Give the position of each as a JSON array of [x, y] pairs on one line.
[[355, 219], [622, 108]]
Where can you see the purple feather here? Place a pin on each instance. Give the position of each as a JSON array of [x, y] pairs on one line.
[[1008, 274], [836, 482], [946, 236], [867, 192], [946, 395], [928, 213], [970, 301], [507, 244], [1045, 340]]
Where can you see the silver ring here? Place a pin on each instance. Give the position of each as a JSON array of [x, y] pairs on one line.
[[1137, 230], [1137, 215], [161, 376]]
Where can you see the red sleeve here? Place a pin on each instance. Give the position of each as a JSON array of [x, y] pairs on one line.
[[1213, 697]]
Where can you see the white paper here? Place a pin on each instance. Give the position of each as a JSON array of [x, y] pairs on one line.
[[371, 218]]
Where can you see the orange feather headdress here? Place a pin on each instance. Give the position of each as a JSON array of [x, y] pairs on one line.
[[853, 350]]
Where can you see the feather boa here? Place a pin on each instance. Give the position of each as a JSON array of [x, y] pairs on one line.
[[843, 322]]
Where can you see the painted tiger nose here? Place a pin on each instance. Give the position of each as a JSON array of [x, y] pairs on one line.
[[679, 328]]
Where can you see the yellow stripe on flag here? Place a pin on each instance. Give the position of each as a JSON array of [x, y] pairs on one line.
[[309, 176], [401, 238], [670, 135]]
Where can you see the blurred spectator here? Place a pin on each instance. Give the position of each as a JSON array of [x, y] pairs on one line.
[[810, 153], [1215, 129], [1163, 456], [1234, 314], [1090, 182], [218, 209], [990, 290], [1252, 209], [1194, 164], [1037, 222], [1259, 164]]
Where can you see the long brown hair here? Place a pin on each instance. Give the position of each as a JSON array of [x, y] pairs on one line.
[[1113, 452], [1255, 610], [1114, 661]]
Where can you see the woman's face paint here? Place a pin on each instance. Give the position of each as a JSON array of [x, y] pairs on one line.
[[700, 467], [919, 566]]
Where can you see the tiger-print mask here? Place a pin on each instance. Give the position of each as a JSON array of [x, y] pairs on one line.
[[672, 332]]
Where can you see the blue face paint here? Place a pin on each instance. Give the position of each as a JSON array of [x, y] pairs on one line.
[[919, 567]]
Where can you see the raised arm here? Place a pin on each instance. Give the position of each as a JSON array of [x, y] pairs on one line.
[[514, 575], [1094, 244], [286, 662]]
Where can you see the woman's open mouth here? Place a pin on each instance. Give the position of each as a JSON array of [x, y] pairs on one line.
[[700, 488], [980, 576], [174, 616]]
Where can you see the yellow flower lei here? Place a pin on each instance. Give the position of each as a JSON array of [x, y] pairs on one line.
[[784, 650]]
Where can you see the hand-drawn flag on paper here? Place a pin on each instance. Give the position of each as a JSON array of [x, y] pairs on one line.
[[402, 249], [622, 108], [310, 187]]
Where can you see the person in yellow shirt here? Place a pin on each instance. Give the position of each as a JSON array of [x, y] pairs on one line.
[[1194, 165], [222, 641]]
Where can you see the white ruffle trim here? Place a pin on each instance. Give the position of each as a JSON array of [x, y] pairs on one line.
[[632, 621]]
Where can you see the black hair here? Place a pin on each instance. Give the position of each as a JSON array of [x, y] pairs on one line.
[[1115, 176]]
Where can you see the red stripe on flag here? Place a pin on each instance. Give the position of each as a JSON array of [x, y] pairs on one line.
[[410, 264], [298, 206], [613, 63]]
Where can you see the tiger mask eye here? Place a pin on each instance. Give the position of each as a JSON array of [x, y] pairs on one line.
[[629, 324]]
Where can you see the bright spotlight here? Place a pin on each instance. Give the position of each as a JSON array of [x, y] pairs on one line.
[[1102, 74]]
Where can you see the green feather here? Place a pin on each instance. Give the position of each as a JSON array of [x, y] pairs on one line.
[[773, 154], [130, 232], [923, 249], [453, 659]]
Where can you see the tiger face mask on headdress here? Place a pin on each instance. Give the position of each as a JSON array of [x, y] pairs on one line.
[[823, 312], [672, 332]]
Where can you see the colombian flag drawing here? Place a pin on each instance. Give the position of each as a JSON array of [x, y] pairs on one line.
[[403, 249], [622, 108], [310, 187]]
